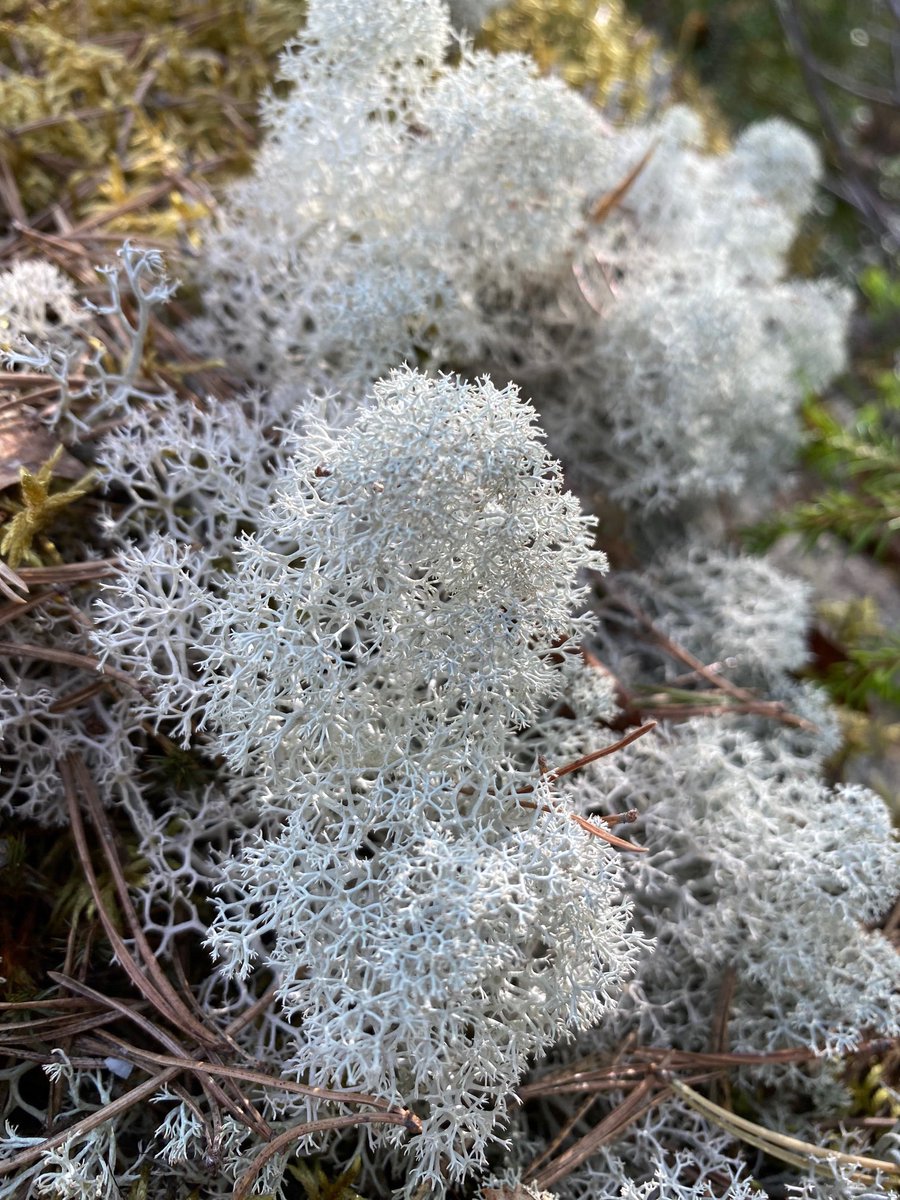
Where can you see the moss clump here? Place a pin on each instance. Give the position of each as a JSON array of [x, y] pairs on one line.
[[105, 114]]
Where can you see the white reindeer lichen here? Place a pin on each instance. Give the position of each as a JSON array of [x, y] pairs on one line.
[[434, 913]]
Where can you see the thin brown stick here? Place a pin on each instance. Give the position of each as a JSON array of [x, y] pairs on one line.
[[143, 985], [625, 818], [134, 103], [147, 197], [81, 1061], [112, 1110], [677, 711], [49, 1028], [57, 1002], [245, 1075], [587, 1082], [718, 1040], [174, 1005], [57, 1085], [11, 583], [614, 197], [81, 1129], [602, 1074], [215, 1093], [857, 191], [90, 114], [69, 658], [191, 1001], [697, 1060], [256, 1009], [11, 193], [277, 1144], [589, 827], [77, 572], [892, 924], [162, 994], [112, 1002], [559, 772], [73, 699], [9, 612], [23, 378]]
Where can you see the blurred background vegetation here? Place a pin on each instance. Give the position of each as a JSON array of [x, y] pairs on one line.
[[832, 66]]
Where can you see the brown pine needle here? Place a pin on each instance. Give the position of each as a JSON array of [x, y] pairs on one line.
[[245, 1183], [639, 1101], [9, 580], [589, 826], [559, 772], [614, 197]]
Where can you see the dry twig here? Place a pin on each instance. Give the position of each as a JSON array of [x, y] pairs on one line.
[[747, 701]]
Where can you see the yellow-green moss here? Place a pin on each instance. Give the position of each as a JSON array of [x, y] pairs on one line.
[[104, 101]]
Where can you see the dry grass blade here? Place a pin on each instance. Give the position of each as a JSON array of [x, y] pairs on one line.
[[786, 1149]]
